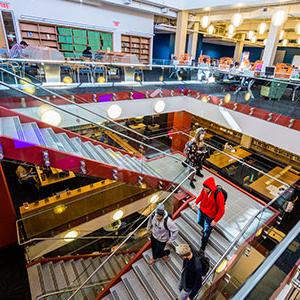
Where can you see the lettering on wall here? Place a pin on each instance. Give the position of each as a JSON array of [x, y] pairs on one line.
[[116, 23]]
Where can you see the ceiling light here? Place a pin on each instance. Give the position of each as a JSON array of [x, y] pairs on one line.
[[262, 28], [230, 29], [227, 98], [265, 41], [154, 198], [51, 117], [114, 111], [71, 236], [279, 18], [205, 21], [59, 209], [281, 35], [250, 34], [297, 28], [211, 79], [159, 106], [210, 29], [118, 215], [222, 266], [237, 19], [285, 42], [253, 40]]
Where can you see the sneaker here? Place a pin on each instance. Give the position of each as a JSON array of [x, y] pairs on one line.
[[184, 164], [198, 173], [194, 179], [192, 185]]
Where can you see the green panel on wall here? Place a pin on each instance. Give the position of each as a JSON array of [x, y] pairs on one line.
[[79, 33], [64, 31]]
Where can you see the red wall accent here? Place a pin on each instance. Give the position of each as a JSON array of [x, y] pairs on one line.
[[182, 122], [8, 233]]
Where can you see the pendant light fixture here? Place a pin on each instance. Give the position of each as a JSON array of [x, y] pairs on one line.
[[236, 19], [297, 28], [285, 42], [262, 27], [231, 29], [250, 34], [205, 21], [210, 29], [281, 35]]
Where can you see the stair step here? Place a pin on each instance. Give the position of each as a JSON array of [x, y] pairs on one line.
[[108, 267], [134, 286], [80, 272], [33, 134], [60, 276], [108, 297], [49, 277], [77, 143], [50, 143], [68, 141], [69, 271], [164, 275], [105, 156], [91, 149], [175, 264], [11, 127], [151, 283], [194, 239], [65, 143], [216, 239], [101, 274], [119, 292], [59, 145], [88, 266], [121, 261], [34, 281]]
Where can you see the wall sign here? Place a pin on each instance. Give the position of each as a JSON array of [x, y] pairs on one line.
[[116, 23], [4, 5]]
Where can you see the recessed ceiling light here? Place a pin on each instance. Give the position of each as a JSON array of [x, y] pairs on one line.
[[159, 106], [51, 117], [118, 214], [71, 236], [114, 111]]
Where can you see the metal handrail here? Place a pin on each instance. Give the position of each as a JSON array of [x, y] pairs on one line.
[[133, 131], [129, 236], [235, 241]]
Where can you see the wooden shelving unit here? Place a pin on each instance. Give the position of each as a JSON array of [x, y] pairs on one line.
[[39, 34], [140, 46]]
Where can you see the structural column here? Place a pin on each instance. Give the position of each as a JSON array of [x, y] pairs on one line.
[[271, 46], [193, 41], [181, 32], [238, 50]]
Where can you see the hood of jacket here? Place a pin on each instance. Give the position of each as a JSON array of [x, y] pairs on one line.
[[210, 183]]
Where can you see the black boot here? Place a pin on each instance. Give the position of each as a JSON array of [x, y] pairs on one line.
[[198, 173], [192, 185]]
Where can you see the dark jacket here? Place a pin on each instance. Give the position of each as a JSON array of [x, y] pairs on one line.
[[191, 276], [214, 208]]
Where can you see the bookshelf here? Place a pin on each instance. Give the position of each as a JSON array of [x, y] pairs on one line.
[[39, 34], [68, 40], [140, 46]]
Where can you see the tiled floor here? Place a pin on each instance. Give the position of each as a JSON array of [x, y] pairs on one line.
[[240, 208]]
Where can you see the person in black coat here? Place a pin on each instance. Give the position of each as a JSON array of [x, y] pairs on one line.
[[87, 52], [191, 276]]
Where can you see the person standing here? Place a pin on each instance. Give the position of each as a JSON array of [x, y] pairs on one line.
[[196, 151], [87, 52], [16, 50], [191, 276], [211, 209], [163, 230]]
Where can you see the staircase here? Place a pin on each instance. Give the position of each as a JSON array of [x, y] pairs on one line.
[[60, 275], [76, 150], [161, 280]]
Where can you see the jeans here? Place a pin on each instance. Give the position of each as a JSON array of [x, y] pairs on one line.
[[183, 294], [204, 221]]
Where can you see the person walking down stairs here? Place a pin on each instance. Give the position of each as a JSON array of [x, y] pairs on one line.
[[192, 271], [163, 231], [212, 200]]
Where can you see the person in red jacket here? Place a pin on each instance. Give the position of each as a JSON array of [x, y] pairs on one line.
[[211, 208]]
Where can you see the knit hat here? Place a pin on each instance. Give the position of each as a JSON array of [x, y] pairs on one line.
[[160, 210], [183, 249]]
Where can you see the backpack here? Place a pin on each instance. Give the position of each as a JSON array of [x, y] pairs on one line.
[[205, 263], [165, 222], [221, 190]]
